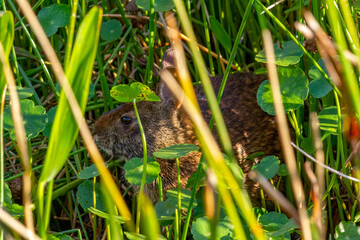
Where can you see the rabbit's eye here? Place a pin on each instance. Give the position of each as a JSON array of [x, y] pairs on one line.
[[126, 120]]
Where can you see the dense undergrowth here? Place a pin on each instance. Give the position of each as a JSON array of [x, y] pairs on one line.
[[53, 179]]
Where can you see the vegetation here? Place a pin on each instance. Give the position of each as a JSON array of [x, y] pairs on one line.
[[90, 53]]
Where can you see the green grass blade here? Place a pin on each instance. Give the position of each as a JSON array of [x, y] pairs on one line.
[[79, 76], [149, 64], [65, 130], [6, 39], [70, 34]]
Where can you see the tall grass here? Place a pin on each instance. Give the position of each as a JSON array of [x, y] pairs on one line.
[[52, 167]]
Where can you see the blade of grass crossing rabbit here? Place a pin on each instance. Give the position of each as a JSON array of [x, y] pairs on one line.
[[241, 199], [215, 159], [81, 60]]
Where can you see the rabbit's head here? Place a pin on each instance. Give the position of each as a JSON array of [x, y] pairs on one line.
[[117, 132]]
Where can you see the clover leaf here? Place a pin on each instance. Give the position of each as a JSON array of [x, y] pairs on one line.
[[134, 170], [110, 30], [85, 195], [283, 170], [165, 210], [347, 230], [23, 93], [89, 172], [319, 86], [268, 166], [159, 5], [54, 17], [137, 90], [293, 87], [201, 229], [34, 117], [175, 151], [277, 225], [289, 54]]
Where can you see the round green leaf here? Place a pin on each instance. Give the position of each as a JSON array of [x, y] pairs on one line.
[[159, 5], [201, 229], [85, 195], [293, 87], [54, 17], [272, 221], [166, 210], [15, 210], [220, 33], [165, 213], [268, 166], [347, 230], [51, 115], [89, 172], [134, 169], [290, 54], [307, 144], [23, 93], [284, 231], [110, 30], [319, 86], [283, 170], [137, 90], [175, 151], [328, 120], [34, 117]]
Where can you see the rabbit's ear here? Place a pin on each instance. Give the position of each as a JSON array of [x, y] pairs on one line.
[[168, 60], [165, 94]]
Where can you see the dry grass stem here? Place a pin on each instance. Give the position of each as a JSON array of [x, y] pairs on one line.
[[353, 154], [21, 141], [319, 154], [211, 150], [17, 226], [194, 114], [75, 108], [180, 60], [289, 155], [315, 196], [326, 48]]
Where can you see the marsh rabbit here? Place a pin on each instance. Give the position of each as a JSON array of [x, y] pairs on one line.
[[165, 123]]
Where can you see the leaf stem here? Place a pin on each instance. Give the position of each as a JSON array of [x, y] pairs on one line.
[[179, 191], [142, 186]]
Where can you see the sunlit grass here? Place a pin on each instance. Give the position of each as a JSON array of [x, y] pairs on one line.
[[51, 166]]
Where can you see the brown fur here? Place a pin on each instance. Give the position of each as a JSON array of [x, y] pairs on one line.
[[251, 130]]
